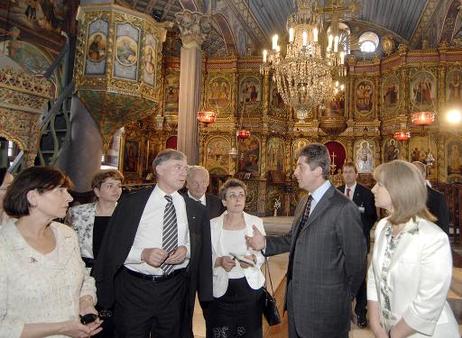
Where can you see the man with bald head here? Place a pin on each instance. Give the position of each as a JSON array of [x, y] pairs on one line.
[[436, 202], [197, 183]]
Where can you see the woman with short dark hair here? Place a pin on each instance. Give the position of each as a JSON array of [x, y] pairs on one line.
[[237, 279], [44, 285], [90, 220], [411, 267]]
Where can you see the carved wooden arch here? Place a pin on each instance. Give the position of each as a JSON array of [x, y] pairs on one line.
[[449, 24], [11, 137]]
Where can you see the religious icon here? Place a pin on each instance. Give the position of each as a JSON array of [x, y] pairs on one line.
[[149, 59], [454, 89], [390, 96], [364, 96], [391, 151], [126, 50], [423, 91], [364, 157], [249, 91], [219, 93], [454, 158], [131, 155], [96, 47]]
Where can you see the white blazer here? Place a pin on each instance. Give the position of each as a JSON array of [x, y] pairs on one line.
[[254, 276], [82, 219], [418, 279]]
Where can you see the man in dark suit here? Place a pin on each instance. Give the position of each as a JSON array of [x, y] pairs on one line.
[[436, 203], [155, 255], [327, 261], [197, 182], [364, 199]]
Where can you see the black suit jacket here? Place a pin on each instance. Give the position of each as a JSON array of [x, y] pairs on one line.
[[119, 238], [363, 197], [436, 204], [214, 206]]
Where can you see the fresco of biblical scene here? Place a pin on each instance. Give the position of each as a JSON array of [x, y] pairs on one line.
[[250, 91], [150, 60], [27, 55], [364, 156], [217, 154], [96, 52], [126, 51], [453, 89], [423, 90], [454, 149], [171, 94], [275, 154], [390, 93], [422, 149], [131, 156], [390, 150], [276, 100], [336, 107], [37, 15], [219, 93], [364, 96], [249, 155]]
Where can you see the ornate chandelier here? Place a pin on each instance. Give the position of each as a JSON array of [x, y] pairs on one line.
[[314, 55]]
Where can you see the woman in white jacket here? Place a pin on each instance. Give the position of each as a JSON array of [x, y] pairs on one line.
[[237, 278], [410, 272]]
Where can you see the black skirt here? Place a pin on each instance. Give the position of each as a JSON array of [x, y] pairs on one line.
[[238, 313]]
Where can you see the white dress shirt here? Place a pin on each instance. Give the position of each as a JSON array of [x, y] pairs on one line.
[[149, 232], [318, 193], [202, 199]]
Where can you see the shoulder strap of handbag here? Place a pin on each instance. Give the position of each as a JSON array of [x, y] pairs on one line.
[[267, 272]]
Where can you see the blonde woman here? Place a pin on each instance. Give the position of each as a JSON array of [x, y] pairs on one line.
[[237, 278], [410, 272]]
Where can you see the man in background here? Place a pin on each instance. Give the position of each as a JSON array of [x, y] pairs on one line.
[[197, 183], [436, 203], [364, 199]]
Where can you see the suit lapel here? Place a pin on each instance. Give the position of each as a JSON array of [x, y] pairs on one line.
[[321, 206]]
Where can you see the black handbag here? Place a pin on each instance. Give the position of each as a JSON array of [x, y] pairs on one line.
[[270, 309]]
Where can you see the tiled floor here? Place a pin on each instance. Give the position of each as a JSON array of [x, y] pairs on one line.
[[278, 266]]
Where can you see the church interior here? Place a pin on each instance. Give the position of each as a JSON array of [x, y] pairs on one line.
[[96, 84]]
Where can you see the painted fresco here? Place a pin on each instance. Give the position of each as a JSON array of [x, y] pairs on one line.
[[217, 153], [219, 93], [37, 15], [454, 157], [150, 61], [390, 93], [364, 96], [336, 107], [423, 90], [453, 87], [250, 91], [275, 154], [131, 156], [276, 99], [364, 156], [390, 150], [27, 55], [171, 94], [249, 155], [97, 44], [126, 51]]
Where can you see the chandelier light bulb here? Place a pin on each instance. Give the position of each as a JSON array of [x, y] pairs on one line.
[[265, 55], [330, 40], [291, 35], [336, 44], [342, 58], [275, 41], [304, 38], [315, 34], [454, 116]]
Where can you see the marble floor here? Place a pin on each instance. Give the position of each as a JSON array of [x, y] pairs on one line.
[[278, 266]]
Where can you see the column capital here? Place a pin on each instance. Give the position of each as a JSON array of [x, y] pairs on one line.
[[194, 27]]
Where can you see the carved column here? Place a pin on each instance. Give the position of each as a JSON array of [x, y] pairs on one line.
[[193, 28]]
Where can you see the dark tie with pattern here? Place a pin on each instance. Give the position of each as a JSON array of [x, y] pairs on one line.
[[169, 232], [303, 220], [348, 193]]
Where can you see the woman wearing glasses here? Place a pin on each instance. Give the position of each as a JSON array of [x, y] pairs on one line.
[[237, 278], [44, 285]]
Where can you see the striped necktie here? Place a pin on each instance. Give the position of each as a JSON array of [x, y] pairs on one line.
[[169, 232]]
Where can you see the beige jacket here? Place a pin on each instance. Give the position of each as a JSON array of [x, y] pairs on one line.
[[35, 288]]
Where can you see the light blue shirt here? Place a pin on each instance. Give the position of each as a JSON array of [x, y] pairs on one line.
[[318, 193]]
